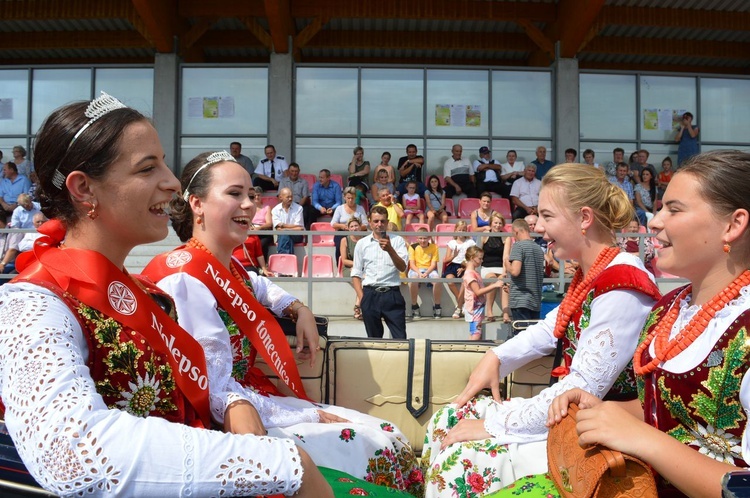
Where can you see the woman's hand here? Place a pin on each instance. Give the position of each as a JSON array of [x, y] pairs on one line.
[[330, 418], [486, 374], [610, 425], [559, 406], [307, 332], [465, 430], [241, 417]]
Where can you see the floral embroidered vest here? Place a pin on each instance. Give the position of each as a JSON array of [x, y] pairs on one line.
[[701, 408], [127, 372], [616, 277]]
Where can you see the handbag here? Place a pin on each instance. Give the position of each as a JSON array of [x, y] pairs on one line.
[[595, 471]]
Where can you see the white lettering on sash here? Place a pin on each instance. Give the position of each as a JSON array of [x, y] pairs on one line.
[[185, 365]]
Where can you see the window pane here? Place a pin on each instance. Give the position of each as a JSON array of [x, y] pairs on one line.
[[326, 101], [314, 154], [134, 87], [725, 106], [392, 101], [668, 94], [522, 103], [457, 102], [608, 108], [15, 117], [53, 88], [246, 86], [251, 147]]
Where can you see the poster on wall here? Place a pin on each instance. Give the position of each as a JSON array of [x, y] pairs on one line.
[[662, 119], [6, 108], [458, 115], [210, 107]]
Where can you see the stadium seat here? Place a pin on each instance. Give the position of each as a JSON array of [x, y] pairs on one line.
[[503, 207], [451, 208], [311, 179], [413, 227], [270, 201], [338, 179], [466, 206], [442, 240], [283, 265], [322, 240], [322, 265]]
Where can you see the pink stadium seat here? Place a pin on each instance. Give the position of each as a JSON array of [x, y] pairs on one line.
[[502, 206], [283, 265], [322, 240], [338, 179], [311, 179], [451, 208], [442, 240], [340, 268], [466, 206], [413, 227], [322, 265], [270, 201]]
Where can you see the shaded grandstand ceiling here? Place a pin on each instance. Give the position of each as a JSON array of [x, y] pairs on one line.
[[694, 36]]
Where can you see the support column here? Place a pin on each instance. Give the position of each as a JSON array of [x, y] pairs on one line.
[[567, 130], [280, 109], [166, 105]]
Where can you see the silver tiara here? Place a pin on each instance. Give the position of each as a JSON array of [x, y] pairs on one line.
[[213, 158], [97, 108]]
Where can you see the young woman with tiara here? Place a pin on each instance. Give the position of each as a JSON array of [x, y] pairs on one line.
[[104, 394], [222, 306], [481, 444]]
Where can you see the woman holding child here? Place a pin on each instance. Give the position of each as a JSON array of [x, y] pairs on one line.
[[212, 217], [479, 444]]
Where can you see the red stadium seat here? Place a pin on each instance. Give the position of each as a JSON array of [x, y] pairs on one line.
[[322, 265], [283, 265], [322, 240]]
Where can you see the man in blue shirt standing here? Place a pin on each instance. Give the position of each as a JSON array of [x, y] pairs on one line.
[[11, 187], [326, 196]]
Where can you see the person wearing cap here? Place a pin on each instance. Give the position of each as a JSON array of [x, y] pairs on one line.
[[487, 171], [459, 174], [542, 163]]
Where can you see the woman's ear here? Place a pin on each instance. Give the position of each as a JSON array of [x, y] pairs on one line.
[[80, 186], [196, 205], [738, 225], [587, 218]]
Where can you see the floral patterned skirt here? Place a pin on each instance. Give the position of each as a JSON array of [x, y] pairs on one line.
[[368, 448], [475, 468]]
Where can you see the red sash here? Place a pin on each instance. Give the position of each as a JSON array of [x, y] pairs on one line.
[[252, 319], [95, 281]]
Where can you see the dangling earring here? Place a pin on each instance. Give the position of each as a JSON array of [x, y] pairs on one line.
[[198, 220], [727, 248], [92, 214]]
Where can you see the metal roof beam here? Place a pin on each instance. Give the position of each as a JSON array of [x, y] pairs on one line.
[[421, 40], [222, 8], [675, 18], [613, 45], [73, 39], [42, 10]]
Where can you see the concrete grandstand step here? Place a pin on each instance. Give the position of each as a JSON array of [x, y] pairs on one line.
[[424, 328]]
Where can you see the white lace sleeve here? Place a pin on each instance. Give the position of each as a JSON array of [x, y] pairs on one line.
[[74, 446], [604, 349], [271, 295], [198, 315]]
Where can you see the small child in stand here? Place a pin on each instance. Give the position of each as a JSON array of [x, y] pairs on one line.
[[665, 176], [381, 182], [423, 262], [411, 202], [361, 194], [455, 255], [474, 292]]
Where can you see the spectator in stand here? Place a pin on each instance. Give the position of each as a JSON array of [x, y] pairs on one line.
[[9, 242], [542, 163], [524, 194], [525, 265], [645, 195], [570, 155], [687, 137], [492, 267], [455, 255], [270, 170], [235, 149], [287, 217], [378, 260], [300, 192], [666, 174], [621, 180], [487, 171], [435, 203], [423, 263], [618, 156], [11, 186], [359, 169], [458, 174], [262, 220], [23, 165], [250, 256], [632, 244], [344, 213], [637, 168], [23, 215], [412, 203], [410, 169], [381, 182], [480, 217], [589, 156], [27, 242], [531, 220], [511, 171], [346, 248], [394, 209], [326, 195], [385, 160], [34, 185]]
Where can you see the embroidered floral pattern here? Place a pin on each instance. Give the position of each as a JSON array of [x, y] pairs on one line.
[[385, 469], [387, 427], [347, 435]]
